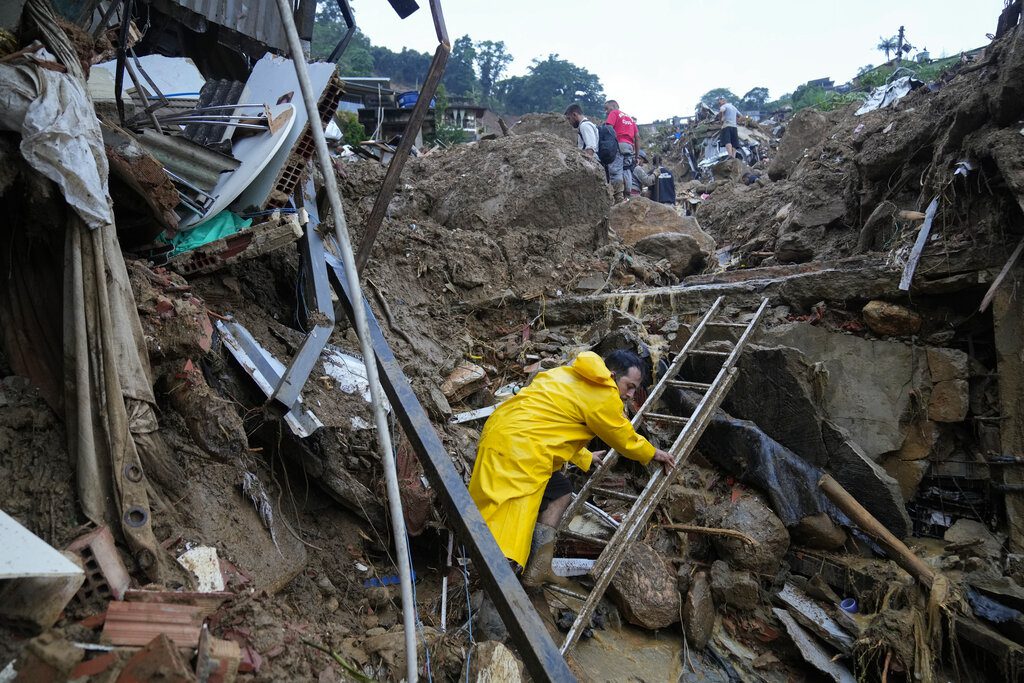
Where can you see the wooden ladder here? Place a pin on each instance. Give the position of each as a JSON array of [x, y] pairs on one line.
[[691, 429]]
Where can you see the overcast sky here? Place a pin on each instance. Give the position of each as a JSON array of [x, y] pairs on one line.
[[670, 52]]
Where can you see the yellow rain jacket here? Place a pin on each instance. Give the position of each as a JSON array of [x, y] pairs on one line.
[[534, 433]]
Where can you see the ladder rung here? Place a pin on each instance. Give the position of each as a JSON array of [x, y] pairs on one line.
[[583, 537], [661, 417], [687, 385], [705, 352], [744, 325], [608, 493]]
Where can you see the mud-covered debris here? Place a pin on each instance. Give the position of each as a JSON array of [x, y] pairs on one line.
[[736, 588], [805, 130], [699, 612], [463, 380], [818, 531], [645, 588], [490, 661], [749, 515]]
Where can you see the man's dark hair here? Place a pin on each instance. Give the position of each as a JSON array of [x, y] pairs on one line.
[[612, 103], [573, 109], [621, 360]]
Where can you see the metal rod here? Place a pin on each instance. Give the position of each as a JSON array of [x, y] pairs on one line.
[[419, 112], [387, 454]]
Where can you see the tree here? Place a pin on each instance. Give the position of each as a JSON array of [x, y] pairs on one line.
[[864, 69], [550, 85], [491, 60], [407, 68], [887, 45], [710, 98], [755, 98], [459, 76]]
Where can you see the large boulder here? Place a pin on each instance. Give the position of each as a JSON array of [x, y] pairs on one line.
[[699, 612], [750, 516], [891, 320], [645, 589], [806, 129], [640, 217], [867, 386], [737, 589], [682, 251]]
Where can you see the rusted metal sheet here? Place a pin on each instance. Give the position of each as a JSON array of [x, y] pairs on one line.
[[257, 19]]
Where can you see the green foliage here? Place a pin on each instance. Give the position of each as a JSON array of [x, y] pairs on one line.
[[352, 132], [551, 85], [459, 76], [754, 99], [445, 133], [710, 98], [864, 69], [491, 60]]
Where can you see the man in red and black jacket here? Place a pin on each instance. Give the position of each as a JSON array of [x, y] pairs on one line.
[[628, 136]]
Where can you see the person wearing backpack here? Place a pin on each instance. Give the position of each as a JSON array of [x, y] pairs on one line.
[[599, 144], [627, 136]]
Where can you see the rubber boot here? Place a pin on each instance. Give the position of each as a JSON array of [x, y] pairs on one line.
[[538, 568]]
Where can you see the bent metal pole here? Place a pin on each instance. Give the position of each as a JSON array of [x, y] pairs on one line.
[[387, 455]]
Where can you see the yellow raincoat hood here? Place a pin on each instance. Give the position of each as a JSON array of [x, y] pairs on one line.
[[534, 433]]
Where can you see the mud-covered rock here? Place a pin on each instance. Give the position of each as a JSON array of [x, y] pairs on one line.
[[683, 504], [738, 589], [983, 543], [806, 129], [797, 247], [645, 589], [640, 217], [818, 532], [699, 612], [491, 662], [891, 320], [907, 473], [683, 252], [948, 364], [751, 517], [949, 401]]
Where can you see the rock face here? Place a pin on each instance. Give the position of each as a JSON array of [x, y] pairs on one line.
[[750, 516], [699, 612], [805, 130], [949, 401], [867, 384], [891, 320], [737, 589], [682, 251], [640, 217], [645, 589]]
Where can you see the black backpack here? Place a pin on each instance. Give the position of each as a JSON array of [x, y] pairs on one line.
[[607, 144]]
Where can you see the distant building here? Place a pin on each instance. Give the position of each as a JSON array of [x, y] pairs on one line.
[[823, 83]]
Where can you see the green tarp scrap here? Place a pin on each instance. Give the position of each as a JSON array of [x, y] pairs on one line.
[[223, 224]]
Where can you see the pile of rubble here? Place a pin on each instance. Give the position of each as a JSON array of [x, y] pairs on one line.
[[266, 552]]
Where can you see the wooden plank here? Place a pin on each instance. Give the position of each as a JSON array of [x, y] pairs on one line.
[[1002, 276], [922, 239]]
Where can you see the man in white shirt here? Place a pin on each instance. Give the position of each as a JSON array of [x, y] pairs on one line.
[[729, 135], [587, 129]]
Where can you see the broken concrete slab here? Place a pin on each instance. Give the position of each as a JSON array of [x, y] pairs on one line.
[[811, 651], [34, 603], [47, 657], [816, 618], [966, 531]]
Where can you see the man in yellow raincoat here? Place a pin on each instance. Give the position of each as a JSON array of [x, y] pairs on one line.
[[525, 443]]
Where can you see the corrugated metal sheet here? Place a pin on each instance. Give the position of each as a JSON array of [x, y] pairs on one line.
[[258, 19]]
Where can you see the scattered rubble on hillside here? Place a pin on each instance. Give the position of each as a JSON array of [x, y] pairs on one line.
[[887, 368]]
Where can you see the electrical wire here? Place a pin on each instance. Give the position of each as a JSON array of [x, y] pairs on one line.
[[469, 608]]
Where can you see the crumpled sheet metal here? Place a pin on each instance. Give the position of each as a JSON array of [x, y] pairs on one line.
[[60, 134], [886, 95]]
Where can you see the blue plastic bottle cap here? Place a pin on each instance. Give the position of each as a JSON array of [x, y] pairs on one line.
[[848, 605]]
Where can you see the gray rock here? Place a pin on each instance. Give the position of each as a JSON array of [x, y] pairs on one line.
[[699, 612], [966, 531], [949, 401], [806, 129], [948, 364], [752, 517], [818, 532], [737, 589], [682, 251], [645, 589], [797, 247]]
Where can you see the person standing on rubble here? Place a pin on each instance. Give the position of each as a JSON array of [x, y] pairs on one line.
[[628, 136], [517, 481], [641, 176], [587, 135], [730, 133]]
